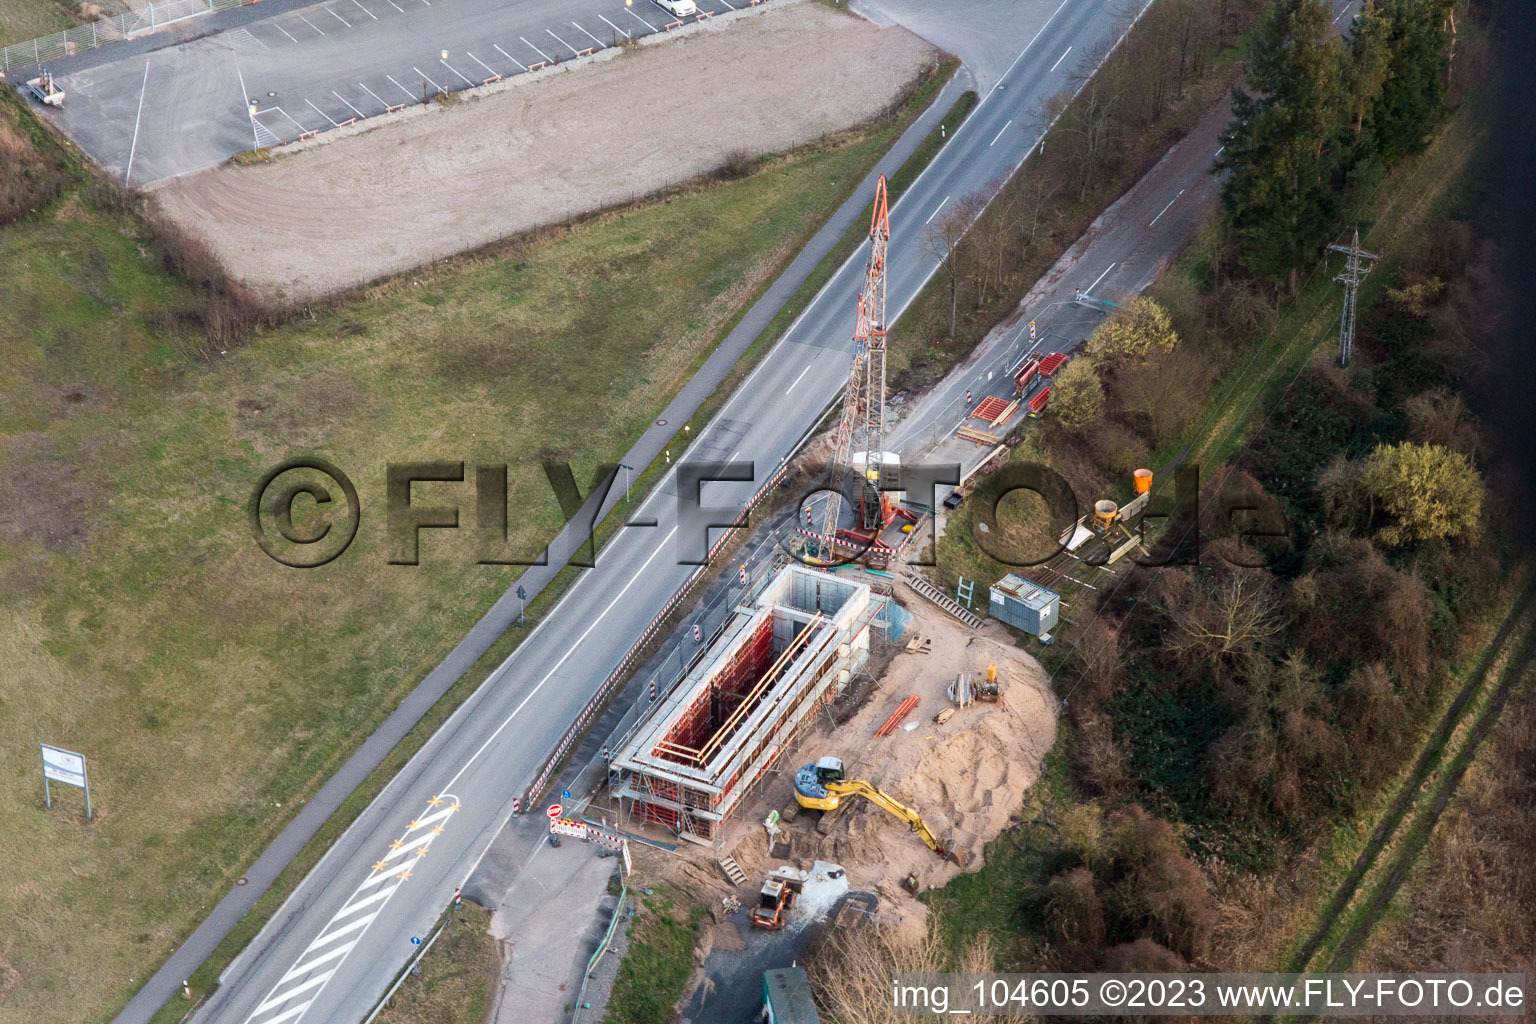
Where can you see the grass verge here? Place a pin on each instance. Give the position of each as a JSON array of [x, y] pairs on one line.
[[457, 975], [659, 960]]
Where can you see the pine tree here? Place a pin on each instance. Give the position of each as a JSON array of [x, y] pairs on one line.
[[1281, 152], [1413, 87]]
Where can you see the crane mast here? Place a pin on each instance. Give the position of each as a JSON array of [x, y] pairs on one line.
[[864, 396]]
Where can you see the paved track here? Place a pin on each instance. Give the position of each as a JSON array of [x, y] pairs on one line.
[[492, 746]]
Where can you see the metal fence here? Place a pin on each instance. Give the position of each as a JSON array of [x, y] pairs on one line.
[[121, 26]]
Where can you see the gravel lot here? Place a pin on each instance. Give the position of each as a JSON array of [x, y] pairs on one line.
[[441, 179]]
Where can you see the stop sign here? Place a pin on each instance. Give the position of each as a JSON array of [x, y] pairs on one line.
[[554, 811]]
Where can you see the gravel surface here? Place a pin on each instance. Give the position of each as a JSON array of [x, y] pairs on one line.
[[539, 149]]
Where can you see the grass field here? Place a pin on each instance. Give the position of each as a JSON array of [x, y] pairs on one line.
[[211, 688], [21, 20], [659, 961]]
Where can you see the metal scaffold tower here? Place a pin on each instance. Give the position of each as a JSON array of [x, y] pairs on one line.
[[864, 398], [1356, 266]]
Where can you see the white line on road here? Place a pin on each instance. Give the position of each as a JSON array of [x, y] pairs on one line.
[[729, 4], [310, 24], [366, 11], [589, 35], [400, 87], [1061, 58], [999, 134], [1342, 12], [461, 74], [284, 32], [143, 88], [482, 63], [1217, 153], [562, 42], [538, 51], [509, 57], [1166, 208], [570, 651], [616, 28], [350, 107], [375, 95], [1101, 277], [323, 114], [395, 6], [641, 20], [936, 210], [429, 81], [338, 17], [799, 378]]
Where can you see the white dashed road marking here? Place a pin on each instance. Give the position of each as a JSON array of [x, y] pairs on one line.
[[936, 210], [1000, 133], [1061, 58], [1166, 208]]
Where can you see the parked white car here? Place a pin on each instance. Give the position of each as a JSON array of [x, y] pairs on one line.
[[679, 8]]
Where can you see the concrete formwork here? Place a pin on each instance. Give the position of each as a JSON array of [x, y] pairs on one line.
[[689, 762]]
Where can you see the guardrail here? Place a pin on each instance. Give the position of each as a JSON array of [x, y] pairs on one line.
[[104, 30]]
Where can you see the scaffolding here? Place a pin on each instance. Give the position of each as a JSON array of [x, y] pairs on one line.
[[688, 764]]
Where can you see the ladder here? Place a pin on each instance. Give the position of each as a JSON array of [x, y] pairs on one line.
[[927, 590], [732, 871]]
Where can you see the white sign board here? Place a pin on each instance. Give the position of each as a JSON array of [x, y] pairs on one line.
[[63, 766], [68, 767]]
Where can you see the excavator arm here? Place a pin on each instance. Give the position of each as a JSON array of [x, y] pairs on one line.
[[888, 803]]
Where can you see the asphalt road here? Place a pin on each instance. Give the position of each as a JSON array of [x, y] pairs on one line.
[[493, 745], [178, 101]]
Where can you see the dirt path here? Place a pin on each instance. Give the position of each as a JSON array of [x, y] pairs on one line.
[[544, 148]]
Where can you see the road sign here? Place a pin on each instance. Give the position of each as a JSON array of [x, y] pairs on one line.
[[554, 811], [68, 767], [565, 794], [415, 940]]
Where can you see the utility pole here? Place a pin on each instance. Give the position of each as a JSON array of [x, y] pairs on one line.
[[1356, 266]]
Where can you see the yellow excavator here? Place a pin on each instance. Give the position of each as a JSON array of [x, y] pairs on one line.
[[821, 787]]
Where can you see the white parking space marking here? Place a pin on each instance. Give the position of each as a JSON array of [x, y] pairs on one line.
[[400, 87], [482, 63], [509, 57], [366, 11], [728, 4], [284, 32], [641, 20], [375, 95], [616, 28], [589, 35], [429, 81], [1061, 58], [350, 107], [290, 117], [936, 210], [562, 42], [134, 147], [323, 114], [338, 17], [456, 71], [538, 51], [310, 24], [1166, 208], [999, 134], [395, 6]]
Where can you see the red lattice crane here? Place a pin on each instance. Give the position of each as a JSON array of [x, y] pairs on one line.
[[864, 398]]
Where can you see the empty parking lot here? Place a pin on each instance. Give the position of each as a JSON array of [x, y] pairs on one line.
[[147, 116]]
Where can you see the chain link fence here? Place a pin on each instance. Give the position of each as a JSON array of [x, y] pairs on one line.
[[122, 26]]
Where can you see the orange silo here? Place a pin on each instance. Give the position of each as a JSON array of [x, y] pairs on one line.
[[1143, 481]]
